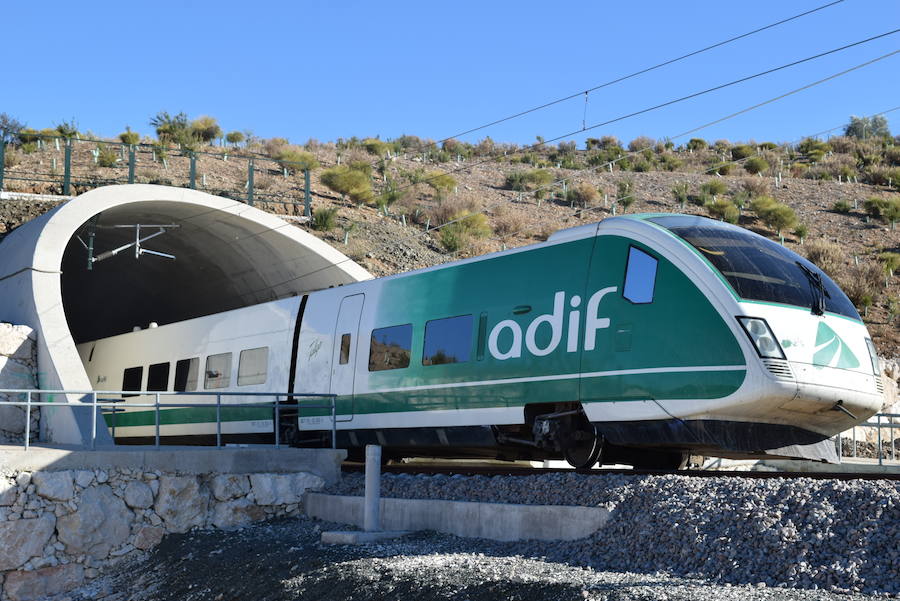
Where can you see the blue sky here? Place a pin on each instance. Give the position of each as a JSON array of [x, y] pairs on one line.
[[326, 69]]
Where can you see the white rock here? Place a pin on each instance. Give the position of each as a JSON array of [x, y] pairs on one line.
[[15, 374], [17, 341], [20, 540], [12, 419], [102, 476], [181, 502], [283, 489], [229, 486], [43, 583], [83, 478], [23, 480], [102, 523], [8, 492], [56, 486], [137, 494], [233, 514]]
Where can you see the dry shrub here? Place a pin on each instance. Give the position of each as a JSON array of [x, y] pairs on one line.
[[448, 208], [584, 194], [755, 186], [842, 144], [862, 282], [273, 145], [508, 221], [827, 255]]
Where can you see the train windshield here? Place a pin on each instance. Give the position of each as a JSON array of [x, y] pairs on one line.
[[758, 268]]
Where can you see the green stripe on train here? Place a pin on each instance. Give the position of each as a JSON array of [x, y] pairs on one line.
[[631, 387], [192, 415]]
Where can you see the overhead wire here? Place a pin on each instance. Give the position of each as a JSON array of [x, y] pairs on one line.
[[690, 131], [639, 72]]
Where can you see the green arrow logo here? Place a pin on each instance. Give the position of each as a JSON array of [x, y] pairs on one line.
[[831, 351]]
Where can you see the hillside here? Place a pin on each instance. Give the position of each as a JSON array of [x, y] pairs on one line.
[[411, 196]]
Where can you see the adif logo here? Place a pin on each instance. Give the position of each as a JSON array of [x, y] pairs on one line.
[[554, 321], [831, 351]]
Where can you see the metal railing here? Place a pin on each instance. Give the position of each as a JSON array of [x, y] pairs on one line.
[[99, 406], [879, 424], [65, 169]]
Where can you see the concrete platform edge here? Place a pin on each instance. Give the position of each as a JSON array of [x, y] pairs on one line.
[[495, 521], [184, 460]]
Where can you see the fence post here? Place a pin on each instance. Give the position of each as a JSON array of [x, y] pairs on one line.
[[372, 511], [880, 459], [27, 419], [131, 163], [156, 414], [93, 421], [193, 170], [250, 181], [277, 423], [2, 162], [333, 422], [67, 168], [307, 200], [218, 421]]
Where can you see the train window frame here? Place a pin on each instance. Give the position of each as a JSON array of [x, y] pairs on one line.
[[213, 378], [128, 378], [187, 370], [344, 357], [456, 325], [158, 375], [252, 379], [639, 296], [405, 330]]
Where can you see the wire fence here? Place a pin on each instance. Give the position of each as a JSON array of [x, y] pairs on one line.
[[106, 402], [885, 447], [71, 165]]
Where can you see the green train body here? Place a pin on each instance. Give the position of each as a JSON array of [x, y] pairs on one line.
[[642, 337]]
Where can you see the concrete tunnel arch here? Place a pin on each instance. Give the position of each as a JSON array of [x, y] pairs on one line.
[[228, 255]]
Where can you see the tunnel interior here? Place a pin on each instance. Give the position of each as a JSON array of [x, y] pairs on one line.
[[222, 261]]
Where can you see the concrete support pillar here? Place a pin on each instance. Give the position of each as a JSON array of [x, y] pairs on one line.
[[372, 513]]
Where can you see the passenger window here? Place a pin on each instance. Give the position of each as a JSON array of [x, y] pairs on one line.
[[390, 348], [253, 366], [640, 277], [448, 340], [186, 374], [158, 377], [131, 379], [218, 371], [345, 349]]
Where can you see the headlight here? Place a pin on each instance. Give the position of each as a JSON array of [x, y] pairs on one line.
[[873, 356], [762, 337]]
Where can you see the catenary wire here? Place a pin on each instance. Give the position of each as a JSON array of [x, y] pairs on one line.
[[693, 130]]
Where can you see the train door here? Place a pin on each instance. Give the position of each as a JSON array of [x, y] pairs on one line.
[[344, 355]]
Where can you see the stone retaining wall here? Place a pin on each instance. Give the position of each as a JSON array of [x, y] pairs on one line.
[[18, 370], [59, 529]]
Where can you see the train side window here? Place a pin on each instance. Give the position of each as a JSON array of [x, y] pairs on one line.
[[345, 349], [186, 374], [448, 340], [218, 371], [252, 366], [132, 378], [158, 377], [640, 277], [390, 348]]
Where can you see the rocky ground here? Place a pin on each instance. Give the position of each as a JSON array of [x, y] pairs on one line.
[[801, 533], [282, 560]]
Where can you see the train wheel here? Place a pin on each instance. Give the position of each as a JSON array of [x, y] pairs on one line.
[[585, 448]]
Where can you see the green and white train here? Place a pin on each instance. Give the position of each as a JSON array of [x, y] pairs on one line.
[[638, 339]]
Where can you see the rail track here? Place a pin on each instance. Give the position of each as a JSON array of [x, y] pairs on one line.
[[492, 470]]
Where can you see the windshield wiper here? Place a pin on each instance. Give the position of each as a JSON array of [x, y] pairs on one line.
[[816, 288]]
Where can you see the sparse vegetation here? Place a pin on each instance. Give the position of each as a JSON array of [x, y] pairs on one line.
[[827, 255], [129, 137], [324, 218], [524, 181], [723, 210], [464, 228], [206, 129], [106, 156], [349, 183], [713, 187], [234, 138], [681, 193], [295, 159], [756, 165], [841, 206], [583, 194]]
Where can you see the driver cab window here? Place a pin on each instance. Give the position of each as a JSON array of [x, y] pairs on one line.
[[640, 277]]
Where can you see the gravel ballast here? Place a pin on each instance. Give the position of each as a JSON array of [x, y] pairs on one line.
[[283, 560], [834, 535]]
